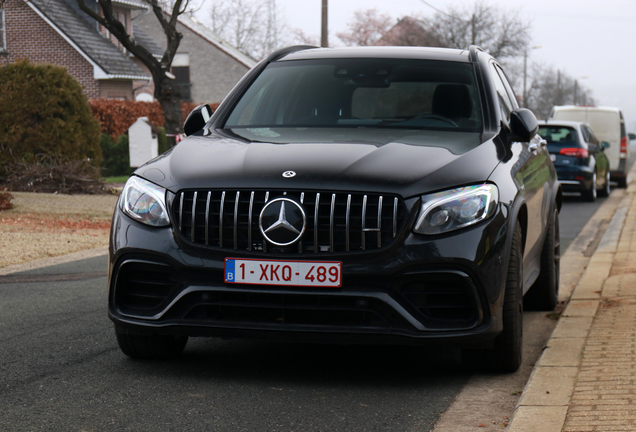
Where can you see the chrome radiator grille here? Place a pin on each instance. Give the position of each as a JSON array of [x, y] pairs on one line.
[[336, 222]]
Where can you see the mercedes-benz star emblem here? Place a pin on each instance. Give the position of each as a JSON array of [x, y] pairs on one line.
[[289, 174], [282, 221]]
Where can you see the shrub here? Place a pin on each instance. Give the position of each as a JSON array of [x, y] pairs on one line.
[[116, 116], [162, 141], [55, 175], [116, 156], [5, 201], [44, 115]]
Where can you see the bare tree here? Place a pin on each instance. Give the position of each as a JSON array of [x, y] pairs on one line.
[[366, 28], [500, 33], [552, 87], [299, 37], [167, 90], [250, 25]]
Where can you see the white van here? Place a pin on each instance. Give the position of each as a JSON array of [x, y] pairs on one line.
[[608, 125]]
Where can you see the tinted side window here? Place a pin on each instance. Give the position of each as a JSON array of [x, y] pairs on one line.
[[504, 100], [593, 138], [586, 133], [511, 92]]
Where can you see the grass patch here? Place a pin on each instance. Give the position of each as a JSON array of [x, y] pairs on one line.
[[118, 179]]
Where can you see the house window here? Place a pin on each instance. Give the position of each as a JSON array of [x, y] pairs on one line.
[[182, 74], [3, 36], [181, 71]]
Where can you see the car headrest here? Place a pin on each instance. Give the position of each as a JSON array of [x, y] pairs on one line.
[[452, 101]]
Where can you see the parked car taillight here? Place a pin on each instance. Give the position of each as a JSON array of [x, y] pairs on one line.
[[576, 152], [624, 144]]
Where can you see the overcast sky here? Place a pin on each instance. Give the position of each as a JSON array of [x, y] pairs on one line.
[[585, 38]]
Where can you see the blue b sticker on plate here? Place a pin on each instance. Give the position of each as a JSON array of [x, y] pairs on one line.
[[229, 270]]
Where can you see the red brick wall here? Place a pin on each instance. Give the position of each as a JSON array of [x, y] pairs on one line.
[[29, 36], [111, 89]]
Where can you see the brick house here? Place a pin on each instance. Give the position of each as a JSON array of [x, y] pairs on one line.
[[409, 32], [57, 32], [206, 66]]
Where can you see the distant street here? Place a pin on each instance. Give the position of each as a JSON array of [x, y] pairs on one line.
[[576, 212]]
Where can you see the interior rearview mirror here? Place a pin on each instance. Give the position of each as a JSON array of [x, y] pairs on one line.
[[197, 118]]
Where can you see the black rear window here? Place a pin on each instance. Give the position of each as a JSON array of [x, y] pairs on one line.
[[561, 136], [369, 93]]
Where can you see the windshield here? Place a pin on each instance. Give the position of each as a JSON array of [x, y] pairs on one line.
[[367, 93], [561, 136]]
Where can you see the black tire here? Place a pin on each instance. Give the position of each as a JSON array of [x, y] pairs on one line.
[[506, 355], [622, 182], [590, 194], [151, 346], [544, 293], [605, 192]]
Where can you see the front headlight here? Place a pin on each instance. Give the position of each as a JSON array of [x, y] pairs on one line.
[[145, 202], [456, 208]]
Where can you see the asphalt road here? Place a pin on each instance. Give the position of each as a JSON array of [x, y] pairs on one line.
[[61, 370]]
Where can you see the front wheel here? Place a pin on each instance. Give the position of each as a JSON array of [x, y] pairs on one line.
[[605, 191], [506, 355], [544, 293]]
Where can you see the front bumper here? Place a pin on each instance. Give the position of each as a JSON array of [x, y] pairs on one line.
[[418, 290]]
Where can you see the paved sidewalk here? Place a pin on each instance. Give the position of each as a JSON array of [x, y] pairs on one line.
[[585, 379]]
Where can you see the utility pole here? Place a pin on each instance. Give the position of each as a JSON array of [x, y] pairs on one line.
[[525, 76], [324, 32], [576, 84], [271, 37], [559, 101]]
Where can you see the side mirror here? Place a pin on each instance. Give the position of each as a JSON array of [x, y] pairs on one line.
[[523, 125], [631, 136], [605, 145], [197, 118]]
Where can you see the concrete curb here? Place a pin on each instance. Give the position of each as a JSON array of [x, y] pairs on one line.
[[32, 265], [545, 400]]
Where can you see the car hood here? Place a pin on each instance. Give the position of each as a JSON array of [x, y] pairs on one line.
[[404, 163]]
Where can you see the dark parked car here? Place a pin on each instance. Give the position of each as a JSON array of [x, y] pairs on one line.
[[383, 195], [579, 158]]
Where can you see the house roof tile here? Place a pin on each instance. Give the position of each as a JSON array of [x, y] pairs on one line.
[[86, 37]]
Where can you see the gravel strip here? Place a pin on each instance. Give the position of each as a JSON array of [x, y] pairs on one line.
[[41, 226]]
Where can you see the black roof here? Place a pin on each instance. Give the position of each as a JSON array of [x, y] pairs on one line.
[[146, 41], [95, 46]]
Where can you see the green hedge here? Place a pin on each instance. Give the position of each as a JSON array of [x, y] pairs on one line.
[[44, 117], [116, 154]]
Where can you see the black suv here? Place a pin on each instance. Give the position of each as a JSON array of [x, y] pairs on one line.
[[384, 195]]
